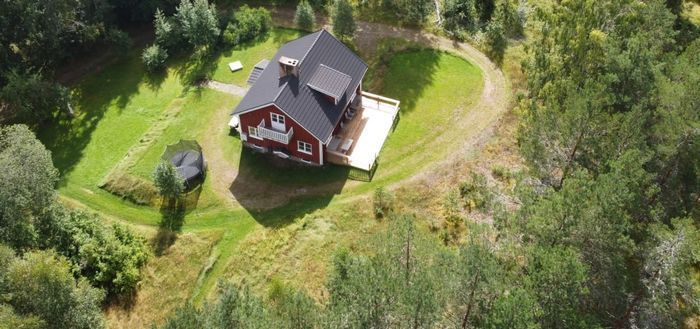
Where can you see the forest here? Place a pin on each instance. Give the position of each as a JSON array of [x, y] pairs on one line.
[[600, 230]]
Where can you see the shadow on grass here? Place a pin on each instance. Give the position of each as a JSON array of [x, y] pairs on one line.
[[116, 84], [276, 191], [173, 214], [408, 85]]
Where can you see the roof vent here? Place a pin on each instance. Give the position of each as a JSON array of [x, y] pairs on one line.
[[288, 66]]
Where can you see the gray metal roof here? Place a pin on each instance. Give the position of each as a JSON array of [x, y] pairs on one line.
[[293, 96], [329, 81], [257, 71]]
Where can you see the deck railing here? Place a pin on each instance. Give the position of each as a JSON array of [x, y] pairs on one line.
[[275, 135]]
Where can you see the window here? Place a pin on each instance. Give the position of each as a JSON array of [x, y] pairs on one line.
[[253, 132], [277, 121], [304, 147]]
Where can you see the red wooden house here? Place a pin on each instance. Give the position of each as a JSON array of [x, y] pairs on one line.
[[302, 102]]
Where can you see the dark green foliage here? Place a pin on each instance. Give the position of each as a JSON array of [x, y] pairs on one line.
[[414, 12], [343, 19], [304, 17], [507, 15], [198, 22], [39, 287], [26, 187], [592, 89], [168, 33], [31, 98], [120, 41], [154, 58], [484, 10], [247, 24], [459, 18], [110, 257], [496, 42], [168, 181]]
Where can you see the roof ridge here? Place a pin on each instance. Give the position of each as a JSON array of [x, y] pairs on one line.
[[344, 45], [320, 32]]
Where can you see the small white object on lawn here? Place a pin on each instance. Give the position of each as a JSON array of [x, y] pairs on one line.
[[235, 66]]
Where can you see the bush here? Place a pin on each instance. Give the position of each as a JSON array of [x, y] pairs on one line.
[[109, 257], [32, 98], [304, 18], [476, 193], [154, 58], [247, 24], [383, 202]]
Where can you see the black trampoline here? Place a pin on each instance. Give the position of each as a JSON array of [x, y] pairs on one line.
[[187, 157]]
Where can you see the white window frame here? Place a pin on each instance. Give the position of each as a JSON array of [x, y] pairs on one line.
[[301, 147], [278, 121], [253, 132]]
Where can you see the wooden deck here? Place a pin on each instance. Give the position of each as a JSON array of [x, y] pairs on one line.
[[361, 139]]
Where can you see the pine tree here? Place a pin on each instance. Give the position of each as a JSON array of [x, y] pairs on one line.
[[304, 18], [343, 20]]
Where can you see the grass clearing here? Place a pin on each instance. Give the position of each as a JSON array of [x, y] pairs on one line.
[[250, 54]]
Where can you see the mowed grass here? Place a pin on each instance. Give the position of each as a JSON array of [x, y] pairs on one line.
[[251, 53]]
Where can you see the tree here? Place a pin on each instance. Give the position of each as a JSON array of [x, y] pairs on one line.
[[198, 21], [591, 84], [304, 18], [559, 280], [496, 42], [168, 181], [507, 14], [109, 257], [411, 11], [484, 10], [668, 293], [459, 17], [31, 98], [41, 284], [343, 20], [168, 33], [27, 185]]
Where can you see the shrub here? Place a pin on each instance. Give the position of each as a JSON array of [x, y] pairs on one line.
[[304, 18], [476, 193], [247, 24], [459, 18], [154, 58], [383, 202]]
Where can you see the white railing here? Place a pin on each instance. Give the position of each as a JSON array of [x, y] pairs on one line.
[[275, 135]]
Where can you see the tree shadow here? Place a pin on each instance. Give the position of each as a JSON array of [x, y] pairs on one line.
[[276, 191], [115, 85], [172, 218], [408, 74]]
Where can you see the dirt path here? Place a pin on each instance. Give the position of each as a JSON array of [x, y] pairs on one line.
[[226, 88]]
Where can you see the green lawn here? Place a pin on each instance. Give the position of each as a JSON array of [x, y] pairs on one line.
[[250, 54]]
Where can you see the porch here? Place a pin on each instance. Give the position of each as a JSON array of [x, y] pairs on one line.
[[361, 138]]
